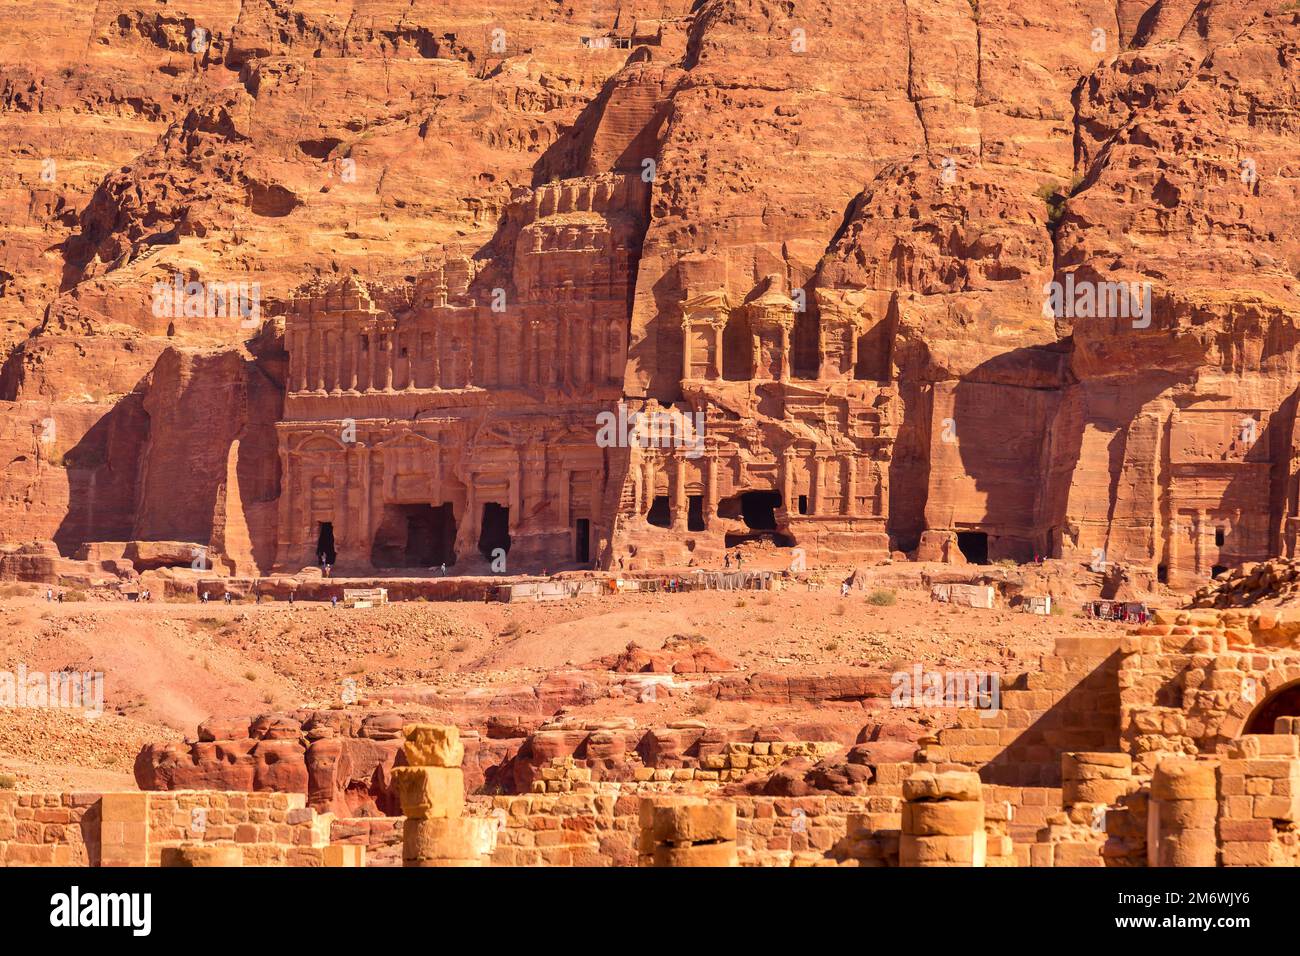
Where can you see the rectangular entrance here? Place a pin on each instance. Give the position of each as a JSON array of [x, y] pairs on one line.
[[415, 536], [494, 531], [582, 540]]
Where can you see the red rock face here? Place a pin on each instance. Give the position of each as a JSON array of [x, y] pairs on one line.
[[969, 281]]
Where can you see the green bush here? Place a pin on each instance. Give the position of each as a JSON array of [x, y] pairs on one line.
[[882, 598]]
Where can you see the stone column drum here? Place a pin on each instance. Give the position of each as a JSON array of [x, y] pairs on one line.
[[1095, 778], [943, 820], [688, 832], [202, 854], [1184, 810], [431, 788]]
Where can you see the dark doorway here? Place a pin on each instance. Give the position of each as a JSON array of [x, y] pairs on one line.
[[1283, 703], [695, 513], [758, 509], [974, 546], [660, 515], [803, 504], [1218, 537], [430, 536], [1217, 570], [494, 531], [582, 540], [325, 542], [415, 536], [737, 349]]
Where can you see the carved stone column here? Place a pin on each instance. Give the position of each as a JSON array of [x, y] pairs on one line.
[[318, 370], [678, 498], [390, 340], [686, 347], [353, 341], [649, 484], [815, 484], [517, 490], [372, 380], [789, 490], [301, 337], [710, 487], [850, 485]]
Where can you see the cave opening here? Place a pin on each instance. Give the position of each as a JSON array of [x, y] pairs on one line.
[[660, 515], [325, 543], [494, 530], [757, 509], [582, 540], [695, 513], [415, 536], [974, 546]]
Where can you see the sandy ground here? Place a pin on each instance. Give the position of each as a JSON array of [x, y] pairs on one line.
[[169, 666]]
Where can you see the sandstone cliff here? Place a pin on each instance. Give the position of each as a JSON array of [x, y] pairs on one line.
[[829, 229]]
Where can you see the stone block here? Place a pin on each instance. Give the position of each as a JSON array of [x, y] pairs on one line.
[[430, 792], [433, 745]]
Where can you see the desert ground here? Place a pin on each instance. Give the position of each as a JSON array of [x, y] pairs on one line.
[[170, 665]]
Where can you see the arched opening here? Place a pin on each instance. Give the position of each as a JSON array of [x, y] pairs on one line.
[[1284, 702]]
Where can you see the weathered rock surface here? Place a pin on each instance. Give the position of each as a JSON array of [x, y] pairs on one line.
[[828, 230]]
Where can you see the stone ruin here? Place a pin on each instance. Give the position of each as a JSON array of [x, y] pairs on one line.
[[432, 791], [1177, 744]]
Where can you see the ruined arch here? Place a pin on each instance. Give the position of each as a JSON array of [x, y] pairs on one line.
[[1282, 702]]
